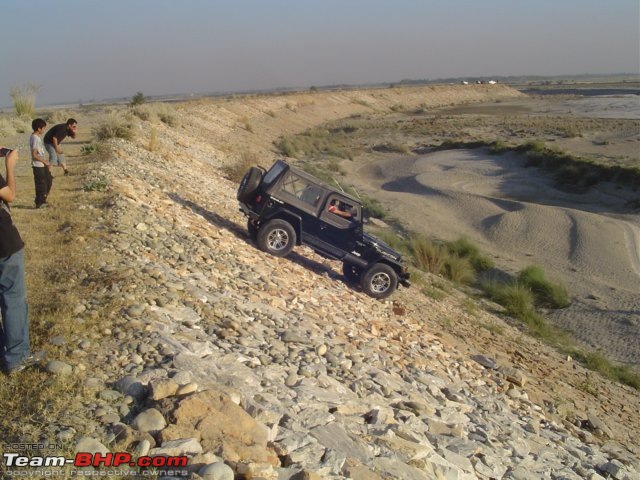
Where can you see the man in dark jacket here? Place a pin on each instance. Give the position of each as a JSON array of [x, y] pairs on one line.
[[54, 137], [14, 335]]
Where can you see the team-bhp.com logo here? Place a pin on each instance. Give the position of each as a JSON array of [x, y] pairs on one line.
[[15, 463]]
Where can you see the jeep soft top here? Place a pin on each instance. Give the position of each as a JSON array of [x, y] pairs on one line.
[[287, 206]]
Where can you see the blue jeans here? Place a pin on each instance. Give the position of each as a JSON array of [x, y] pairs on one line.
[[14, 308], [55, 158]]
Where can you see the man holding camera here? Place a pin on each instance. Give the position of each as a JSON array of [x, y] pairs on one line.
[[14, 336]]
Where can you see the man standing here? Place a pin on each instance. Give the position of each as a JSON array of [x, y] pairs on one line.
[[14, 335], [54, 138], [41, 168]]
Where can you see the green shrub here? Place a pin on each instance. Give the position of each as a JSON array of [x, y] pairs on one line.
[[89, 149], [428, 255], [286, 147], [96, 185], [319, 172], [533, 146], [464, 248], [498, 147], [373, 208], [337, 151], [516, 298], [547, 294], [482, 263], [597, 362], [459, 270], [137, 99]]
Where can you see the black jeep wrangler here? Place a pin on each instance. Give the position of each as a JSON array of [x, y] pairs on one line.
[[286, 207]]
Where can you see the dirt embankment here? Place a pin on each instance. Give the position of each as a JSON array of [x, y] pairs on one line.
[[179, 183], [251, 124], [214, 135]]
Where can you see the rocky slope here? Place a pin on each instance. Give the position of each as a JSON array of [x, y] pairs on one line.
[[279, 369]]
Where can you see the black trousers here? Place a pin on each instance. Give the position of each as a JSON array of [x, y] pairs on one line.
[[43, 180]]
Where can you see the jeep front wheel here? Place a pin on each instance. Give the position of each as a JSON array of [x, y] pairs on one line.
[[277, 237], [379, 281]]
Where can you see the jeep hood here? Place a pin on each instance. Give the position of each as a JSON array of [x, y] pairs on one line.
[[382, 247]]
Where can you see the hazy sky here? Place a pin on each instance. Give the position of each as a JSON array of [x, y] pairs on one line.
[[92, 50]]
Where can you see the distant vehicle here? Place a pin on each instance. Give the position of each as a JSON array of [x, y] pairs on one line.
[[286, 207], [492, 82], [464, 82]]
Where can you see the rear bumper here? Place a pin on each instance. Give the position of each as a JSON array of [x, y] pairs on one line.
[[244, 208]]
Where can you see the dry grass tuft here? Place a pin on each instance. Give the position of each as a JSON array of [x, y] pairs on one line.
[[157, 112], [114, 125], [152, 146], [57, 116], [24, 99], [428, 255], [236, 171], [9, 126]]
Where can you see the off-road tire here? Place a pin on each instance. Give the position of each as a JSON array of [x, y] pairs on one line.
[[277, 237], [351, 272], [249, 184], [379, 281]]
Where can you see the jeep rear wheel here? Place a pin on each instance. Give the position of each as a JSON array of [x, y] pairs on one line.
[[351, 272], [277, 237], [379, 281], [249, 184]]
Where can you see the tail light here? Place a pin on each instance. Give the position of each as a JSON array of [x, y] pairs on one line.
[[258, 199]]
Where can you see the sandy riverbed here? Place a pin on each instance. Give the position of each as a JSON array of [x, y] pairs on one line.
[[589, 241]]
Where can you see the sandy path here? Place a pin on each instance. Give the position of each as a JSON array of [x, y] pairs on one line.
[[587, 241]]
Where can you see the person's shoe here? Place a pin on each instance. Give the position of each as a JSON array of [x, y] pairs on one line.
[[66, 172], [27, 362], [42, 205]]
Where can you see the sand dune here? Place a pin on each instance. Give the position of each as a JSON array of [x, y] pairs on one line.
[[588, 241]]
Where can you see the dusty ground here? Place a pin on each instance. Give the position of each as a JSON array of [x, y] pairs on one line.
[[223, 129], [589, 240]]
